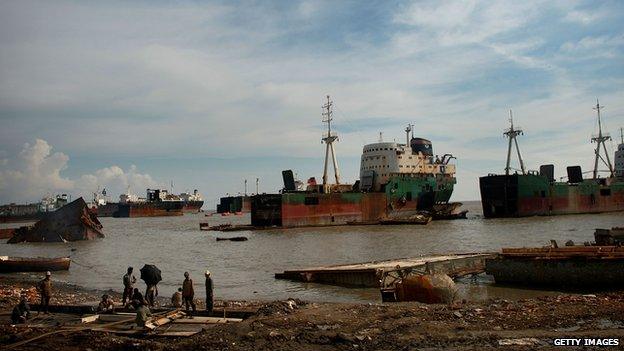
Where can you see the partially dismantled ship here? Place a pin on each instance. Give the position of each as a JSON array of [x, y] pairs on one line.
[[531, 193], [397, 181]]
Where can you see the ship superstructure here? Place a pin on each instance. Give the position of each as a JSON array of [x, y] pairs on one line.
[[395, 179], [193, 202], [531, 193]]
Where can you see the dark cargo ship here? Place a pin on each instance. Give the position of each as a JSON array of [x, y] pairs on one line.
[[157, 203], [531, 193], [396, 181]]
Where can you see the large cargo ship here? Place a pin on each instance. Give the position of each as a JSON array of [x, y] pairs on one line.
[[157, 203], [31, 212], [531, 193], [396, 181]]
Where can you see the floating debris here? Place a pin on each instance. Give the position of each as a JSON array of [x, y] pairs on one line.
[[236, 238]]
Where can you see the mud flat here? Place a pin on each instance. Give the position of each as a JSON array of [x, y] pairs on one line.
[[297, 325]]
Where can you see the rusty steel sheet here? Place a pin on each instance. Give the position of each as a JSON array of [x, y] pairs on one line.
[[71, 222], [562, 272], [601, 252]]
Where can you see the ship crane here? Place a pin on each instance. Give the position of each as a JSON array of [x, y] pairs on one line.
[[600, 140], [512, 133], [329, 140]]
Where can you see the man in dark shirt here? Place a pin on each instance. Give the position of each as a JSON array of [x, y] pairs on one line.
[[21, 312], [209, 294], [188, 292], [128, 281], [45, 289]]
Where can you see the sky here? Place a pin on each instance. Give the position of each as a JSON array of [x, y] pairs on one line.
[[204, 94]]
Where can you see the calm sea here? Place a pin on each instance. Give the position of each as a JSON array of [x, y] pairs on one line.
[[244, 270]]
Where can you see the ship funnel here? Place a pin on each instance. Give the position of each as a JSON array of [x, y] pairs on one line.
[[575, 175], [548, 171], [289, 180], [422, 145]]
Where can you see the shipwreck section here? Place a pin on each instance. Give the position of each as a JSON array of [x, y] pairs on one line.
[[532, 193], [71, 222], [574, 267]]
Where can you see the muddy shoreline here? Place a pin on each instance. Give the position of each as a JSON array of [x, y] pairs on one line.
[[494, 323]]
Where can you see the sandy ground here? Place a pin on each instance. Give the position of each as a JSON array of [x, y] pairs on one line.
[[295, 325]]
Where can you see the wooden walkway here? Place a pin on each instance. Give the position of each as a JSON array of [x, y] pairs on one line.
[[368, 274]]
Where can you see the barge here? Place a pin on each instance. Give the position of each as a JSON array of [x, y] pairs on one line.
[[573, 267], [532, 193]]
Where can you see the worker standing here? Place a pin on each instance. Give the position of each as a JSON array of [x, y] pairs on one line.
[[128, 281], [151, 292], [209, 295], [45, 289], [188, 293]]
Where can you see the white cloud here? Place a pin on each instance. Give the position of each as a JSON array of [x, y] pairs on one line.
[[36, 172]]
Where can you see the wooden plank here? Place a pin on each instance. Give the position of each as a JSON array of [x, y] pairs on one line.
[[115, 317], [90, 319], [168, 318], [206, 320], [179, 333]]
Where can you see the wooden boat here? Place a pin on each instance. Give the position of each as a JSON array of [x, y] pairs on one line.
[[37, 264]]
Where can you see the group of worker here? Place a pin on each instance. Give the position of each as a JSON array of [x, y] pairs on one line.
[[184, 296], [131, 297]]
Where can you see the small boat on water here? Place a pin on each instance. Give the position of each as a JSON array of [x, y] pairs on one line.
[[10, 264]]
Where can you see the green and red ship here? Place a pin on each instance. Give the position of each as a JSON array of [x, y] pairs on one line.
[[397, 182], [537, 193]]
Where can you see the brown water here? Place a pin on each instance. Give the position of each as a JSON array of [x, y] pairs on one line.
[[244, 270]]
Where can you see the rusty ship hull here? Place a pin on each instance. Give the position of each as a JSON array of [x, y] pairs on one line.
[[566, 267], [520, 195], [192, 206], [233, 204], [404, 196], [149, 209]]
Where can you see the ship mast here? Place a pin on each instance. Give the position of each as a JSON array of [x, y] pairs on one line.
[[329, 144], [512, 133], [408, 129], [600, 140]]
